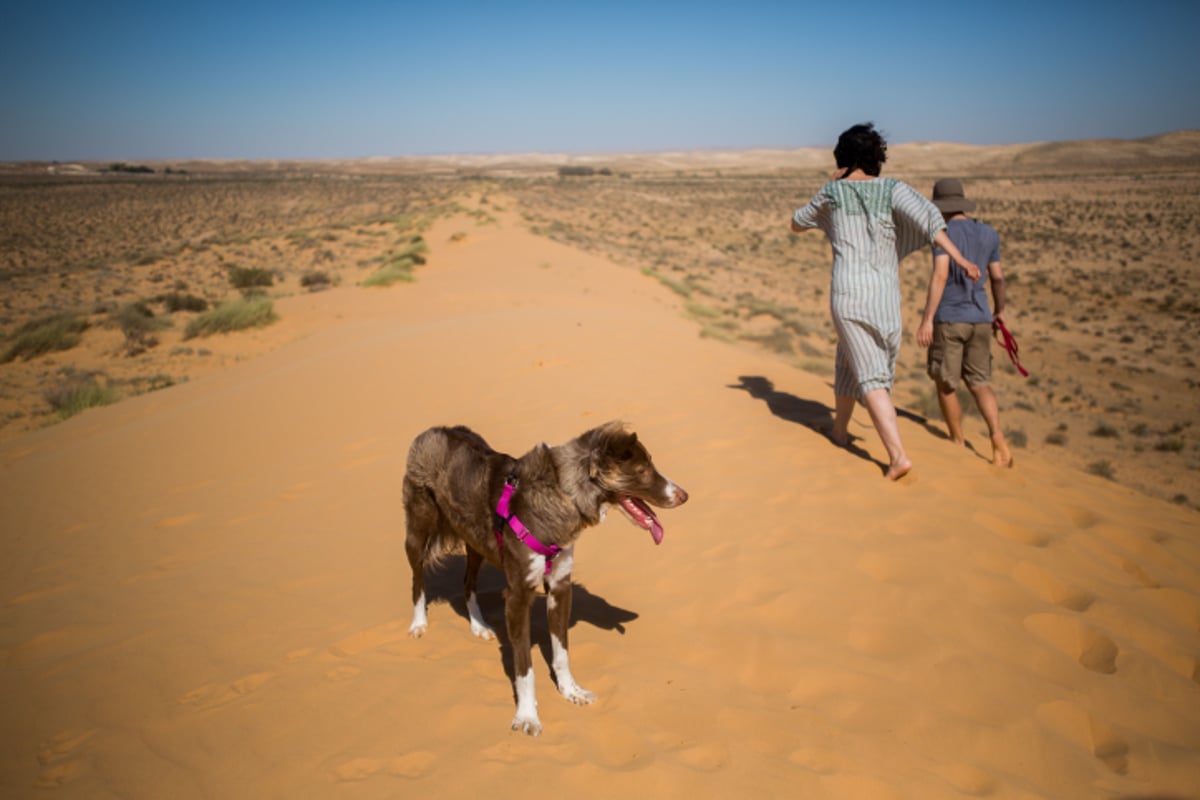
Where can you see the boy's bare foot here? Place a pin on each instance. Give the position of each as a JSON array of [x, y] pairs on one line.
[[839, 439], [899, 469]]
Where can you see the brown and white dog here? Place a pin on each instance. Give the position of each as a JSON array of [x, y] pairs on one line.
[[523, 515]]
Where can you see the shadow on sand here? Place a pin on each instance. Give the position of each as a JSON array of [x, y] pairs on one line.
[[445, 583], [813, 414]]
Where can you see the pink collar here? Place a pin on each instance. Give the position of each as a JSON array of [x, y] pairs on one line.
[[518, 528]]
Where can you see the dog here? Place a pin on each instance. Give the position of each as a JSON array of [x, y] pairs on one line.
[[523, 515]]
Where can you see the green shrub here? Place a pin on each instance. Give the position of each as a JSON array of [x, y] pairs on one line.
[[78, 393], [250, 277], [1057, 438], [1017, 438], [1105, 431], [234, 315], [183, 302], [397, 271], [45, 335], [138, 322], [315, 281], [1102, 468], [1169, 445]]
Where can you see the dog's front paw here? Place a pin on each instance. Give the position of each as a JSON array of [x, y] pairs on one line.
[[418, 629], [482, 631], [577, 694], [527, 724]]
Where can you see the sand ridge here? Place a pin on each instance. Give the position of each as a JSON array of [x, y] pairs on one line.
[[204, 592]]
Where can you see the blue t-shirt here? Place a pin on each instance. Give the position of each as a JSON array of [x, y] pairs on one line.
[[964, 301]]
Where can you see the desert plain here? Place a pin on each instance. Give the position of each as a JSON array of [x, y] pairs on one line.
[[210, 373]]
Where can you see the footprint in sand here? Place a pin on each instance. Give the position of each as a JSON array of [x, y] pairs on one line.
[[1085, 644], [1021, 534], [370, 639], [703, 757], [1050, 588], [411, 765], [1086, 732], [55, 754], [344, 673], [216, 695], [175, 522]]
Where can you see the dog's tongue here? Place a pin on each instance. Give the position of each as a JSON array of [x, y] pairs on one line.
[[641, 514]]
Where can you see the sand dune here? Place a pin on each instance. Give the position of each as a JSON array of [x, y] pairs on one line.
[[204, 591]]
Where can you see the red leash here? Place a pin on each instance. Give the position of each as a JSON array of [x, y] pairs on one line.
[[1009, 343]]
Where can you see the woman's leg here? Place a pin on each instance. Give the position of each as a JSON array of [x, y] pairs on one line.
[[843, 410], [883, 414]]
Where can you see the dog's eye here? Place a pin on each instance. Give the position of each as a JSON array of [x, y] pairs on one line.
[[625, 455]]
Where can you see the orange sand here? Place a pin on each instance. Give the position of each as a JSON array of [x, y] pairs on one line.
[[203, 590]]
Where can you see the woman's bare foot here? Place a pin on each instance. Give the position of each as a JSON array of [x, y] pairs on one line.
[[899, 469], [839, 439], [1001, 456]]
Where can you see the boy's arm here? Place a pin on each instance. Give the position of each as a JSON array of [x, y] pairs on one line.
[[996, 278], [937, 285]]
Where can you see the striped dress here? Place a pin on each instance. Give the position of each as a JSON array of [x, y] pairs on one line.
[[872, 225]]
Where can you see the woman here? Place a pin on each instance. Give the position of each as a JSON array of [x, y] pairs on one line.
[[872, 223]]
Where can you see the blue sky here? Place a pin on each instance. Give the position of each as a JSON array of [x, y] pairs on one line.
[[129, 79]]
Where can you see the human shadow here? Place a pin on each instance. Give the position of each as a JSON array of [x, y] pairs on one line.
[[812, 414], [445, 584]]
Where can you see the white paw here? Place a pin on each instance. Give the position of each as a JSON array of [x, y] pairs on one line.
[[527, 724], [482, 631], [577, 694], [417, 629]]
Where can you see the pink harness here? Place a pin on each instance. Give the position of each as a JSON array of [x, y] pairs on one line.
[[518, 528]]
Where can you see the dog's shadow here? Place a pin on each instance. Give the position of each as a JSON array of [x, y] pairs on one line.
[[445, 583], [814, 415]]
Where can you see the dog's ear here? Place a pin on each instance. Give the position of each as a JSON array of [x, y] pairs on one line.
[[607, 443]]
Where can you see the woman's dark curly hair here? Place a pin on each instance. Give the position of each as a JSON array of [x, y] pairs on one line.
[[861, 147]]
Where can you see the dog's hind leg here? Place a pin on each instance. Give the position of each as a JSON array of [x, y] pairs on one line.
[[478, 626], [558, 613], [421, 517]]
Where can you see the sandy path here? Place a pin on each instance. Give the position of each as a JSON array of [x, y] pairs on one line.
[[203, 591]]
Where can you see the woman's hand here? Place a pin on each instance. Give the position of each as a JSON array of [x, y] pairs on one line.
[[973, 272]]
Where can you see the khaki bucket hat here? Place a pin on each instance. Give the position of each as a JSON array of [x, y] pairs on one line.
[[948, 196]]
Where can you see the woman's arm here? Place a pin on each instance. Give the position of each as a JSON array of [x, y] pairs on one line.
[[942, 240], [937, 285]]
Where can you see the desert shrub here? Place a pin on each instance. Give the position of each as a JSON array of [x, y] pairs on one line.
[[183, 302], [777, 341], [1169, 445], [315, 280], [138, 323], [234, 315], [1017, 438], [1104, 431], [415, 250], [79, 392], [250, 277], [681, 289], [1058, 438], [396, 271], [1102, 468], [45, 335]]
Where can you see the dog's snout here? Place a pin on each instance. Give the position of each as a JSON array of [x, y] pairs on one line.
[[677, 494]]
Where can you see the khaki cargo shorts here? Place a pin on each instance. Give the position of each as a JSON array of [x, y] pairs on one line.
[[961, 350]]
